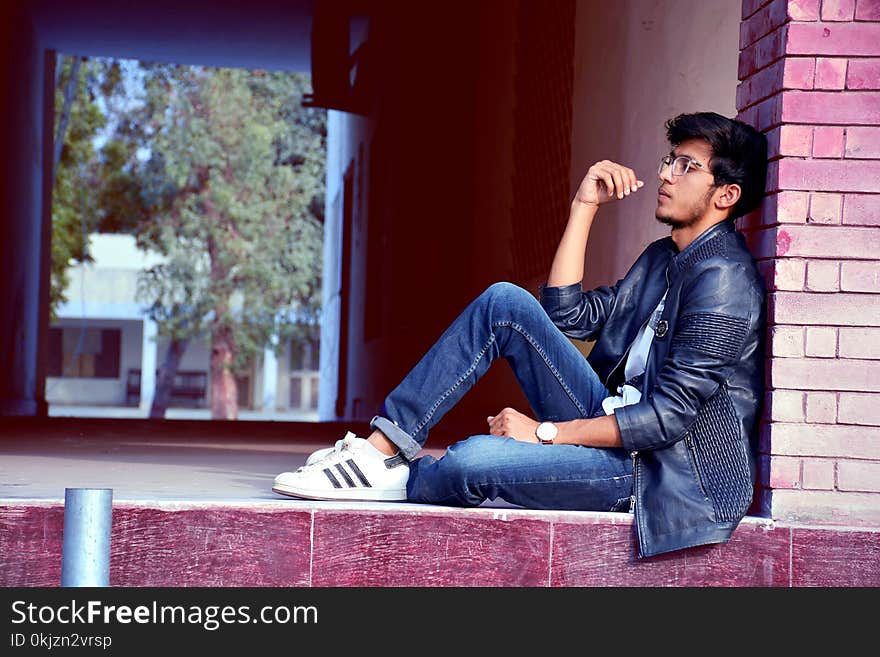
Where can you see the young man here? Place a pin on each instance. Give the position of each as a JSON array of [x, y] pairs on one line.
[[659, 419]]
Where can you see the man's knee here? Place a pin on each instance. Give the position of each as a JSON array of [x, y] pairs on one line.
[[507, 294], [469, 457]]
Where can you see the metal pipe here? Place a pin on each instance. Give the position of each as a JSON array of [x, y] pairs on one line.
[[85, 555]]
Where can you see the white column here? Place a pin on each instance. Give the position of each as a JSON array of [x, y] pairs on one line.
[[149, 358], [270, 379]]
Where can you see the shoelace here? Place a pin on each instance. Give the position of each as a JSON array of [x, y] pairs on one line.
[[345, 444]]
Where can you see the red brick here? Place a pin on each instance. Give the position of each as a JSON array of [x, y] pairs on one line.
[[767, 19], [763, 52], [769, 113], [841, 242], [592, 552], [861, 209], [833, 107], [827, 440], [821, 342], [210, 547], [863, 74], [868, 10], [839, 309], [862, 142], [830, 73], [798, 72], [861, 476], [821, 507], [820, 407], [427, 550], [784, 207], [828, 142], [789, 274], [829, 176], [759, 86], [790, 140], [786, 405], [788, 73], [841, 39], [836, 558], [859, 408], [749, 7], [822, 276], [825, 208], [786, 341], [803, 10], [860, 277], [776, 208], [825, 374], [858, 342], [785, 472], [818, 474], [791, 207], [838, 10]]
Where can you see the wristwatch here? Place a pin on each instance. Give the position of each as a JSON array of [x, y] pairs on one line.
[[546, 432]]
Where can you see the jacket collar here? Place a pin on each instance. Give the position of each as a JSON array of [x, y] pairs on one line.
[[680, 259]]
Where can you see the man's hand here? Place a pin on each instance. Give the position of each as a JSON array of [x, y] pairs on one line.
[[510, 422], [606, 180]]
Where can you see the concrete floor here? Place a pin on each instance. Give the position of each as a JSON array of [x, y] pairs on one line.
[[149, 462]]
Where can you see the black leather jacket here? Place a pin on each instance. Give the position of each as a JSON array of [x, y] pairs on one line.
[[693, 435]]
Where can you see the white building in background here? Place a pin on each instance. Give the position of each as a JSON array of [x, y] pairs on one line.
[[104, 352]]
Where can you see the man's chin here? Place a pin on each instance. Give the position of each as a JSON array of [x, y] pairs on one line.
[[669, 221], [672, 222]]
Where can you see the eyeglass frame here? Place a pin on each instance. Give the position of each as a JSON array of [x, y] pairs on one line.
[[669, 161]]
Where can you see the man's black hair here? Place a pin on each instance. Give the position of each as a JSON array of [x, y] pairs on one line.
[[739, 153]]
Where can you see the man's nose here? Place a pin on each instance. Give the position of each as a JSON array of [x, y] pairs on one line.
[[665, 174]]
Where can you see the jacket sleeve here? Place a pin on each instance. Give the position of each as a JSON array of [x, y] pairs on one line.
[[578, 314], [717, 315]]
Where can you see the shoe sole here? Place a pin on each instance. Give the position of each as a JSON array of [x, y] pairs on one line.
[[352, 495]]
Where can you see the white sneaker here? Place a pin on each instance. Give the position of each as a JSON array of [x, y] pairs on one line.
[[327, 451], [351, 470]]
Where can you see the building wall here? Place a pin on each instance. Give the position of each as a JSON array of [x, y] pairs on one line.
[[94, 391], [810, 74], [636, 66]]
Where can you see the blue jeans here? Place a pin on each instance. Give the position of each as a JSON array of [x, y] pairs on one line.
[[506, 321]]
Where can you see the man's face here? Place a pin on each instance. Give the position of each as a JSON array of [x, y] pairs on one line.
[[682, 200]]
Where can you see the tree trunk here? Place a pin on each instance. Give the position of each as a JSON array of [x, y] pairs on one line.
[[69, 97], [224, 392], [165, 380]]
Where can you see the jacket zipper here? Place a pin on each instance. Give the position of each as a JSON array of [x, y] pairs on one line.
[[632, 498], [632, 503], [626, 353], [693, 457]]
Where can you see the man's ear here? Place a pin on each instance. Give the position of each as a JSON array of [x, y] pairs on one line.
[[729, 195]]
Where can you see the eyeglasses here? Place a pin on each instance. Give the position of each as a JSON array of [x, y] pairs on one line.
[[680, 165]]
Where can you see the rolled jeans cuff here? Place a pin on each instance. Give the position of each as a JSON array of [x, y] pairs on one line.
[[408, 447]]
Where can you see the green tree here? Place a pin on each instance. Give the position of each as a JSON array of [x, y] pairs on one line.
[[82, 85], [232, 196]]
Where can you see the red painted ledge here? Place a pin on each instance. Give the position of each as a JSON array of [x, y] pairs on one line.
[[291, 543]]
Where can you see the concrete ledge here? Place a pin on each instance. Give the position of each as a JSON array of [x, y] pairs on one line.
[[291, 543]]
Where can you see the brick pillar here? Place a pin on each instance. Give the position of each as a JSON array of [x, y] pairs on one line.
[[810, 79]]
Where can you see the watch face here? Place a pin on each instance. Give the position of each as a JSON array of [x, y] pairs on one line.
[[546, 431]]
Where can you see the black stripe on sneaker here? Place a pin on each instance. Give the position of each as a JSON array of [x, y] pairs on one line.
[[345, 476], [357, 471], [333, 480]]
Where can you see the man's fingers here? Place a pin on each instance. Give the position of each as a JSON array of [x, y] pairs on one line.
[[631, 180], [622, 189], [609, 183]]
